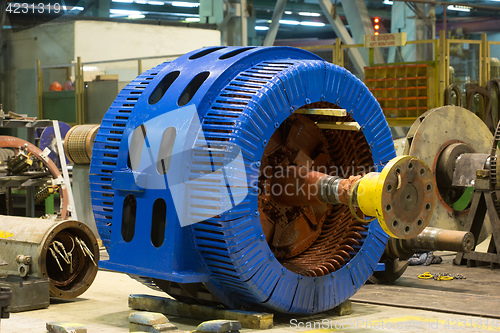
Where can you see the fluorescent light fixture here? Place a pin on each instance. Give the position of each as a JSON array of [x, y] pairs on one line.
[[136, 16], [90, 68], [185, 4], [261, 28], [388, 2], [70, 8], [288, 12], [459, 8], [309, 14], [156, 3], [141, 2], [124, 12], [312, 24], [289, 22], [192, 19], [123, 1]]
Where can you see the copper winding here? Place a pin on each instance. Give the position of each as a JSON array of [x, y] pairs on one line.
[[78, 143], [336, 239], [65, 278]]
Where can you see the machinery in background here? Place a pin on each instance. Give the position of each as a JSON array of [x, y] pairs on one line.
[[46, 258], [25, 165], [481, 171], [5, 299], [185, 161], [455, 144], [52, 257]]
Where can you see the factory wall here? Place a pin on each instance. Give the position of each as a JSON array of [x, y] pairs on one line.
[[61, 43]]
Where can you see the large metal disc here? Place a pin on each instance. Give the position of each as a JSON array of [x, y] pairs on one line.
[[429, 135]]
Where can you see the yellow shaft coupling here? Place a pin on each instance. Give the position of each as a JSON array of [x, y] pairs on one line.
[[400, 197]]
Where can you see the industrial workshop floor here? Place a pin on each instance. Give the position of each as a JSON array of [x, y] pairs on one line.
[[470, 305]]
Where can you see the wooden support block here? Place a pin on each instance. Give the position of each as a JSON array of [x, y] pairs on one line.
[[65, 327], [346, 126], [219, 326], [323, 112], [248, 319], [343, 309]]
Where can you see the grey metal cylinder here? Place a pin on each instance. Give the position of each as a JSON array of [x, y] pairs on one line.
[[65, 252]]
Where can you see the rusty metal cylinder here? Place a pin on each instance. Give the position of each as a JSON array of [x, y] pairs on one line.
[[431, 239], [64, 252], [400, 196], [435, 239]]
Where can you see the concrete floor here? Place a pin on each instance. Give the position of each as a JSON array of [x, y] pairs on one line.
[[103, 308]]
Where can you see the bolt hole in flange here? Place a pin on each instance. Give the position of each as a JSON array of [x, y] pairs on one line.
[[318, 239]]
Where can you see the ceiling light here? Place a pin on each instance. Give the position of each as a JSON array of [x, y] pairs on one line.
[[288, 12], [156, 3], [312, 24], [141, 2], [261, 28], [123, 1], [192, 19], [136, 16], [90, 69], [289, 22], [309, 14], [388, 2], [124, 12], [459, 8], [185, 4], [70, 8]]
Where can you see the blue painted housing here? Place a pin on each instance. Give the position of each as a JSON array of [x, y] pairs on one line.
[[245, 95]]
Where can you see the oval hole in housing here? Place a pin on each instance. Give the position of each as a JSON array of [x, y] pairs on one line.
[[234, 53], [158, 222], [128, 217], [165, 153], [135, 147], [204, 52], [162, 87], [192, 88]]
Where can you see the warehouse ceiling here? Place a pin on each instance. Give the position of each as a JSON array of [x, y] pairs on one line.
[[302, 19]]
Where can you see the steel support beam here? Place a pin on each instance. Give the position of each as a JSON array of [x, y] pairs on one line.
[[360, 22], [343, 34], [275, 23]]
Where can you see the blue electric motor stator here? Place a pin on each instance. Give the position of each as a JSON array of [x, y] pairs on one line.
[[179, 187]]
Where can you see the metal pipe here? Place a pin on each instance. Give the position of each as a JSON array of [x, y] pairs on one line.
[[435, 239], [65, 252], [431, 239]]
